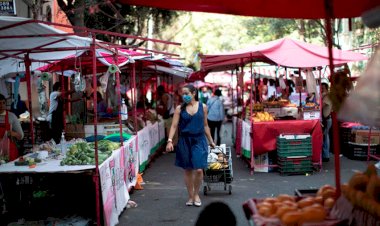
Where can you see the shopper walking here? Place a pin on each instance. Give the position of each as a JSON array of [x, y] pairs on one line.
[[215, 115], [192, 150], [326, 121]]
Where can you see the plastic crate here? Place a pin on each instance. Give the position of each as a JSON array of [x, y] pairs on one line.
[[294, 145], [345, 137], [295, 165], [360, 151]]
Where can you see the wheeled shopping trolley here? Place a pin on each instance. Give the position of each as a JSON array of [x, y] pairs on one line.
[[219, 171]]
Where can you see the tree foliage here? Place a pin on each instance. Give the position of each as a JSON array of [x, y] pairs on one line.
[[268, 29], [110, 16]]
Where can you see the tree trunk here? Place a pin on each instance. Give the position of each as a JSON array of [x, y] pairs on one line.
[[78, 19], [302, 30]]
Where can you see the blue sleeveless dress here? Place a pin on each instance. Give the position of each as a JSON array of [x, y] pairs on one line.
[[191, 152]]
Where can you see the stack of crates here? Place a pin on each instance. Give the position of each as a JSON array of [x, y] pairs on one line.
[[294, 154]]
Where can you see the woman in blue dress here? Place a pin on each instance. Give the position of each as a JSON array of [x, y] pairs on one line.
[[192, 147]]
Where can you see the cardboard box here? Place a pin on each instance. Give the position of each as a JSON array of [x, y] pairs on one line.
[[262, 163], [361, 136], [276, 112], [104, 129], [310, 115], [74, 131]]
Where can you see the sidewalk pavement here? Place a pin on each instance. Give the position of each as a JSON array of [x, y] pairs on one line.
[[162, 202]]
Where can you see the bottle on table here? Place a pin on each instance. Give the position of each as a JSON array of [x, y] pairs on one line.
[[63, 144]]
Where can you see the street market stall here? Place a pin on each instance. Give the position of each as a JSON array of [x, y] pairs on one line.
[[113, 172], [287, 53], [301, 10]]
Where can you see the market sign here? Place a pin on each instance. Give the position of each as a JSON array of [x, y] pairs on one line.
[[7, 7]]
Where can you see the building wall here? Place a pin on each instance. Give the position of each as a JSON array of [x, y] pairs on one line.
[[22, 9]]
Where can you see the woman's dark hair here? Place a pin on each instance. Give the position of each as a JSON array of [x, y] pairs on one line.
[[56, 86], [323, 85], [265, 81], [192, 89], [216, 213], [2, 97], [277, 83], [218, 92], [99, 96], [271, 82], [290, 83]]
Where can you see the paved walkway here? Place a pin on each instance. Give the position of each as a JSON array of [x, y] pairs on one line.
[[162, 202]]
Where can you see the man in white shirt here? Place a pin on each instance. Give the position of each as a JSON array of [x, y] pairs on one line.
[[56, 108]]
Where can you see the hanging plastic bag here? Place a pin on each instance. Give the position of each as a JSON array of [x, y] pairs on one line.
[[104, 81], [311, 84], [282, 83], [363, 104], [4, 145]]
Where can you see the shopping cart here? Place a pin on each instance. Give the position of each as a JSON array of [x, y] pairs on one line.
[[219, 171]]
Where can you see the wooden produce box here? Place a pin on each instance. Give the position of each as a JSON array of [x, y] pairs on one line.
[[74, 131], [361, 136], [276, 112]]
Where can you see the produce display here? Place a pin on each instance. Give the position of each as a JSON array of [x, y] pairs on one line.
[[363, 191], [289, 210], [83, 153], [262, 117], [3, 159], [27, 161], [276, 103], [311, 106], [221, 163], [258, 107]]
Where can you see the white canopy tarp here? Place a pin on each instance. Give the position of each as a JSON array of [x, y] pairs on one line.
[[16, 26]]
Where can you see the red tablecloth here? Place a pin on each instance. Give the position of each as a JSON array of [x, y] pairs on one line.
[[266, 133]]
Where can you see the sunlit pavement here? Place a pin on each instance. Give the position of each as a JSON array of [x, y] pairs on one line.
[[162, 202]]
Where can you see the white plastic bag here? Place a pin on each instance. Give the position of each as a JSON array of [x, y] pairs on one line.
[[363, 104], [311, 84], [4, 145], [282, 83]]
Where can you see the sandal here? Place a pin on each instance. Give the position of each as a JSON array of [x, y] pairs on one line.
[[189, 203], [198, 203]]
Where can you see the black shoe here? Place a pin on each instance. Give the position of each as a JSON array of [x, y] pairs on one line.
[[325, 159]]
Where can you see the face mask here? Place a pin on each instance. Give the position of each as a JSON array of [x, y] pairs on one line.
[[186, 98]]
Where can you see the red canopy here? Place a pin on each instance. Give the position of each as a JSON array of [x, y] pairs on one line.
[[285, 52], [306, 9]]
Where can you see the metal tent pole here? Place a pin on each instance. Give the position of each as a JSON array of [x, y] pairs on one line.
[[118, 97], [62, 80], [335, 126], [96, 177], [134, 94], [29, 86]]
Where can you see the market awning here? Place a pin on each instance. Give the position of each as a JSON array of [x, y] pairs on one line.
[[307, 9], [20, 36], [284, 52], [83, 61]]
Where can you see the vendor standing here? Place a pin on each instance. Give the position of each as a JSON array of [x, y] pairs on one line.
[[326, 121], [165, 108], [10, 130], [56, 108]]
